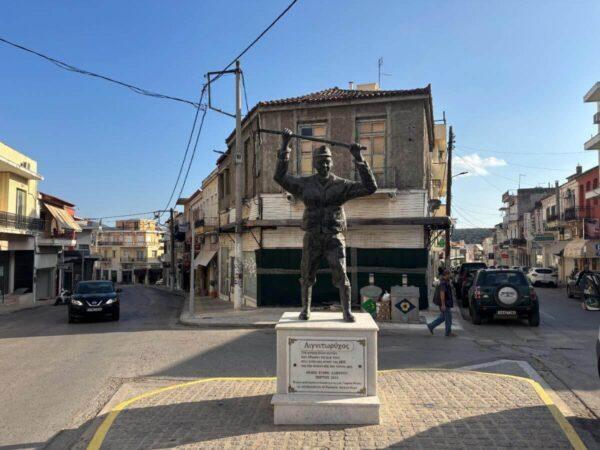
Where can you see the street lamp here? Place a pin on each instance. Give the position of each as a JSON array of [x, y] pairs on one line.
[[459, 174]]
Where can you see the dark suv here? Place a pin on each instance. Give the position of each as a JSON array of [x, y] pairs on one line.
[[94, 299], [462, 276], [504, 293]]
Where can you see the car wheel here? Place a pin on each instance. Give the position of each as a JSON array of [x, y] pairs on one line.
[[71, 318], [534, 319], [475, 316], [116, 315]]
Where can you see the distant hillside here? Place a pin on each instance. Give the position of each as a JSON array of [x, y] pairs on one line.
[[471, 235]]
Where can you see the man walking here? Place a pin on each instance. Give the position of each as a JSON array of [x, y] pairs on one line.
[[446, 302]]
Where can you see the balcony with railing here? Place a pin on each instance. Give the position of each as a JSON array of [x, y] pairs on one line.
[[20, 224], [577, 213], [134, 259]]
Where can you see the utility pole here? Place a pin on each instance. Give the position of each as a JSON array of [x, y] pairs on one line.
[[239, 160], [449, 196], [172, 230], [192, 260], [238, 155]]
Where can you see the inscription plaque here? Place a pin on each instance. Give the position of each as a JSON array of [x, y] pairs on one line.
[[327, 365]]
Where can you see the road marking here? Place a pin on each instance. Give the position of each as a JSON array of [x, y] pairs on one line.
[[559, 418], [548, 315]]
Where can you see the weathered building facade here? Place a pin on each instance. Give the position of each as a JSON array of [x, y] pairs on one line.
[[388, 232], [130, 252]]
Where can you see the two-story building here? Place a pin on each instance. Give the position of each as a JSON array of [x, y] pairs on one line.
[[130, 252], [388, 232], [59, 264], [20, 224]]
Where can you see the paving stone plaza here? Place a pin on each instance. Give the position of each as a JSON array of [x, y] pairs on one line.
[[428, 409]]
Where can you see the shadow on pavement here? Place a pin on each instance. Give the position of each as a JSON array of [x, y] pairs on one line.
[[142, 308], [248, 422]]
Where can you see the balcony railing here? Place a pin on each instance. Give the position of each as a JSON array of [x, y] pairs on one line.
[[133, 259], [597, 118], [20, 222], [515, 242], [551, 217], [578, 212]]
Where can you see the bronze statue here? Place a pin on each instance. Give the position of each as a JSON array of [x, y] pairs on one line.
[[323, 195]]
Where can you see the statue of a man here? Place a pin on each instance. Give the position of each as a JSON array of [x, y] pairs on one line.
[[323, 195]]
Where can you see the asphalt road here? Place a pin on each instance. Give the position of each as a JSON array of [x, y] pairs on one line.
[[56, 376]]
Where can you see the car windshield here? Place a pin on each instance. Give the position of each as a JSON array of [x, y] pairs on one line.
[[544, 270], [498, 278], [94, 288]]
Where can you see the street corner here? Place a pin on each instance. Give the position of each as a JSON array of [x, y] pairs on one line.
[[419, 408]]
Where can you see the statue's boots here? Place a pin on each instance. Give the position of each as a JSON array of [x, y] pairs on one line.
[[345, 300], [306, 292]]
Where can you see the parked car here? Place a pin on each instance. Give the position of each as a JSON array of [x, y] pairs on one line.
[[591, 291], [506, 293], [575, 284], [542, 275], [466, 285], [462, 273], [94, 299]]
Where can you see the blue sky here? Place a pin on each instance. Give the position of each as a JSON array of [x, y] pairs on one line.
[[509, 74]]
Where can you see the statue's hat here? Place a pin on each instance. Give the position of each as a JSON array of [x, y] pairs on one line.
[[321, 152]]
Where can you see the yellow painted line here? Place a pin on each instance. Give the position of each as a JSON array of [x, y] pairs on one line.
[[559, 418], [104, 427]]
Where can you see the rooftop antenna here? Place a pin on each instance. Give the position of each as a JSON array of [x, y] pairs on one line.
[[521, 175], [380, 71]]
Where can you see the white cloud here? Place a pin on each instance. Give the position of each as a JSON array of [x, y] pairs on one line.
[[475, 164]]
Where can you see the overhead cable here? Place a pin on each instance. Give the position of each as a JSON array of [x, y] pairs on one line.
[[71, 68]]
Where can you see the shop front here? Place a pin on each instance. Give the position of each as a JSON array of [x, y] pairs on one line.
[[582, 254]]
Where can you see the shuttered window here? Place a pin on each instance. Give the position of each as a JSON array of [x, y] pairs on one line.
[[305, 148], [371, 134]]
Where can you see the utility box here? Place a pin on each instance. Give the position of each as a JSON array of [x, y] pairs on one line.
[[405, 304]]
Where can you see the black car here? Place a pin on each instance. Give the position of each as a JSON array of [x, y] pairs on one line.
[[463, 273], [504, 293], [94, 299]]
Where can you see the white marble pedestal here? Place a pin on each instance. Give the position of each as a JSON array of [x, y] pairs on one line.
[[326, 370]]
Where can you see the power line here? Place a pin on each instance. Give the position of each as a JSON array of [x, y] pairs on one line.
[[187, 148], [531, 167], [242, 53], [71, 68], [193, 153], [245, 93], [124, 215], [521, 153], [467, 217]]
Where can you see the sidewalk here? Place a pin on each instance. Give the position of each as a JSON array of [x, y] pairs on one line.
[[428, 409], [216, 313], [14, 307]]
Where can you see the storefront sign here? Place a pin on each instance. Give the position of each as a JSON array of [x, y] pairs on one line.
[[543, 237]]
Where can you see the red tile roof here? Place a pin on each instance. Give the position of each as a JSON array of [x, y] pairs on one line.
[[336, 94]]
